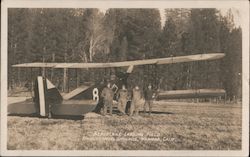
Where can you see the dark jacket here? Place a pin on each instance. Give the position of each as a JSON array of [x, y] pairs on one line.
[[148, 94]]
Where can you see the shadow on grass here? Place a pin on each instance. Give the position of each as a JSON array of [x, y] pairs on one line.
[[67, 117], [71, 117], [23, 115], [157, 112]]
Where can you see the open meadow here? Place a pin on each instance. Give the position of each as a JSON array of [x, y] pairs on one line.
[[171, 126]]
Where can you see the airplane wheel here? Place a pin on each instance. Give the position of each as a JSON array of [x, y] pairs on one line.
[[99, 106], [50, 115], [128, 107]]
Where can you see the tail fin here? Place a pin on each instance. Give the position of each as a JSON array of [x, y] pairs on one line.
[[46, 94]]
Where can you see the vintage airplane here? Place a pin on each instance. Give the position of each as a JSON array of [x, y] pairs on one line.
[[48, 102]]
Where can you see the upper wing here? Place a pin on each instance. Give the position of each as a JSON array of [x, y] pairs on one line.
[[169, 60]]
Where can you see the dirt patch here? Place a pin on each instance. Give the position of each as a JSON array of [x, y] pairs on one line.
[[171, 126]]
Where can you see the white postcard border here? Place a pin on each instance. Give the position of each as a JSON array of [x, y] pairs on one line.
[[242, 5]]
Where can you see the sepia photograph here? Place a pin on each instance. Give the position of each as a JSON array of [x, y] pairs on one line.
[[121, 78]]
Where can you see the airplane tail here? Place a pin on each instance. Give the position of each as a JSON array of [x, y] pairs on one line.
[[48, 100], [46, 94]]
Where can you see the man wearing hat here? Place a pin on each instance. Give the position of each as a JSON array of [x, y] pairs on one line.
[[136, 101], [107, 95], [148, 98], [122, 96]]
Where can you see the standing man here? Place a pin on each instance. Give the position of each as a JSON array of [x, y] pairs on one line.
[[122, 97], [107, 95], [136, 99], [148, 98]]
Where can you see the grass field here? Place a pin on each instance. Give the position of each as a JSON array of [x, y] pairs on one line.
[[172, 126]]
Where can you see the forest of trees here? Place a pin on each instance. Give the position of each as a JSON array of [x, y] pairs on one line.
[[89, 35]]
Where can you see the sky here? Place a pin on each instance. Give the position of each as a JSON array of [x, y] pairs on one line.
[[236, 14]]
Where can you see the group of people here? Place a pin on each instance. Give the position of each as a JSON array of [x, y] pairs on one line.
[[123, 95]]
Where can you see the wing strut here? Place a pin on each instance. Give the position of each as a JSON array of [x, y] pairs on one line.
[[130, 69]]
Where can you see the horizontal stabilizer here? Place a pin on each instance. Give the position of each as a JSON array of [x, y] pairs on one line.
[[75, 92], [22, 108], [193, 93]]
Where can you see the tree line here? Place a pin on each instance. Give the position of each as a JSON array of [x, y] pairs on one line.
[[89, 35]]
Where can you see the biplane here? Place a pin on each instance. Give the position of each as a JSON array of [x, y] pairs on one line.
[[49, 102]]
